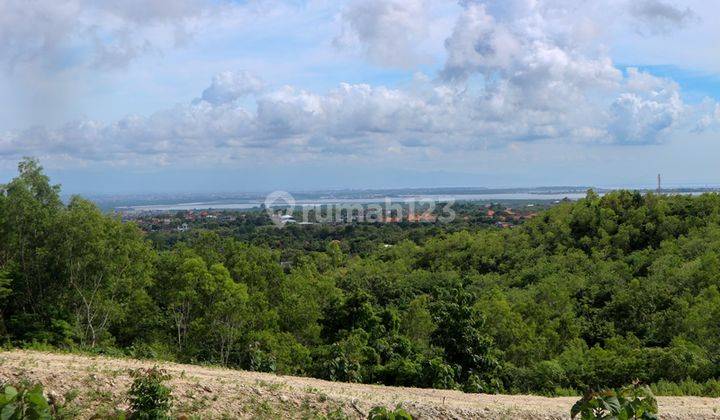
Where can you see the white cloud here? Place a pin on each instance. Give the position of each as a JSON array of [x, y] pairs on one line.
[[58, 34], [647, 109], [524, 53], [515, 71], [708, 116], [639, 120], [392, 32], [531, 62], [231, 85], [358, 120]]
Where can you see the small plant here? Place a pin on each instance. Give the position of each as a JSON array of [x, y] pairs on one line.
[[336, 414], [630, 402], [65, 408], [24, 403], [382, 413], [150, 399]]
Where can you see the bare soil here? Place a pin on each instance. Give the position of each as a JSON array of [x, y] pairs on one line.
[[99, 385]]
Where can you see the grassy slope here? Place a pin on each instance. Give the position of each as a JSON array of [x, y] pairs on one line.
[[210, 392]]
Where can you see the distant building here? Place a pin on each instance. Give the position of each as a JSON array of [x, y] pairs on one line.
[[283, 219], [424, 217]]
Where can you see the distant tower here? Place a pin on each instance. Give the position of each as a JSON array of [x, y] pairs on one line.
[[659, 188]]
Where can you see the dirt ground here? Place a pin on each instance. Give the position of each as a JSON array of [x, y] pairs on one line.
[[99, 385]]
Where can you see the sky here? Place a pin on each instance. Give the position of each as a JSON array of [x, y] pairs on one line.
[[144, 96]]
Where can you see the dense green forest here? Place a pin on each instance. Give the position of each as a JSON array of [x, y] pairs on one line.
[[595, 293]]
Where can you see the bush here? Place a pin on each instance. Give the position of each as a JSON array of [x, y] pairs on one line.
[[631, 402], [24, 403], [688, 387], [150, 399], [711, 388], [548, 375], [153, 350], [382, 413], [277, 352], [399, 372], [38, 346], [345, 360], [437, 374], [679, 362]]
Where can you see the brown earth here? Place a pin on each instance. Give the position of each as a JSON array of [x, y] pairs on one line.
[[100, 385]]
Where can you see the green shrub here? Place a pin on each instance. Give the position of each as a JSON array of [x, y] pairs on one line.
[[260, 360], [630, 402], [150, 399], [678, 362], [399, 372], [688, 387], [38, 346], [382, 413], [153, 350], [564, 392], [24, 403], [344, 360], [437, 374], [547, 376], [711, 388], [277, 352]]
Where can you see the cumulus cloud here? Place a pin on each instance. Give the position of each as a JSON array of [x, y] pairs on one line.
[[646, 111], [658, 16], [516, 71], [59, 34], [231, 85], [357, 120], [180, 133], [530, 61], [517, 48], [648, 117], [350, 120], [388, 31], [708, 116]]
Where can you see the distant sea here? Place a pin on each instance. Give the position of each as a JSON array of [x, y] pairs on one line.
[[438, 198], [245, 201]]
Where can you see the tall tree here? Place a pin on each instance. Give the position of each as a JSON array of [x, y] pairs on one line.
[[102, 262]]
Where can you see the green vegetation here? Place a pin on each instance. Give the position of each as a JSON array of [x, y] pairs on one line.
[[150, 399], [382, 413], [24, 403], [587, 295], [631, 402]]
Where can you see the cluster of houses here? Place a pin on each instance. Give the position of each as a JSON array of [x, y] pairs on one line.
[[507, 217], [182, 221], [177, 221], [500, 216]]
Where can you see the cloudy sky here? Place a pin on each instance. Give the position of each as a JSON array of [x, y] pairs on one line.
[[216, 95]]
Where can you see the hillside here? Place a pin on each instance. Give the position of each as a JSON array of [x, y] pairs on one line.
[[210, 392], [591, 294]]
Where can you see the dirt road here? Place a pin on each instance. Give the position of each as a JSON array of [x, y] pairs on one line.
[[100, 385]]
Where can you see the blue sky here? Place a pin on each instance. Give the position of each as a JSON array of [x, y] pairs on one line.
[[696, 84], [215, 95]]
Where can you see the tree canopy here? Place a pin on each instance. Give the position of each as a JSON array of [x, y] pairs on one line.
[[588, 294]]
